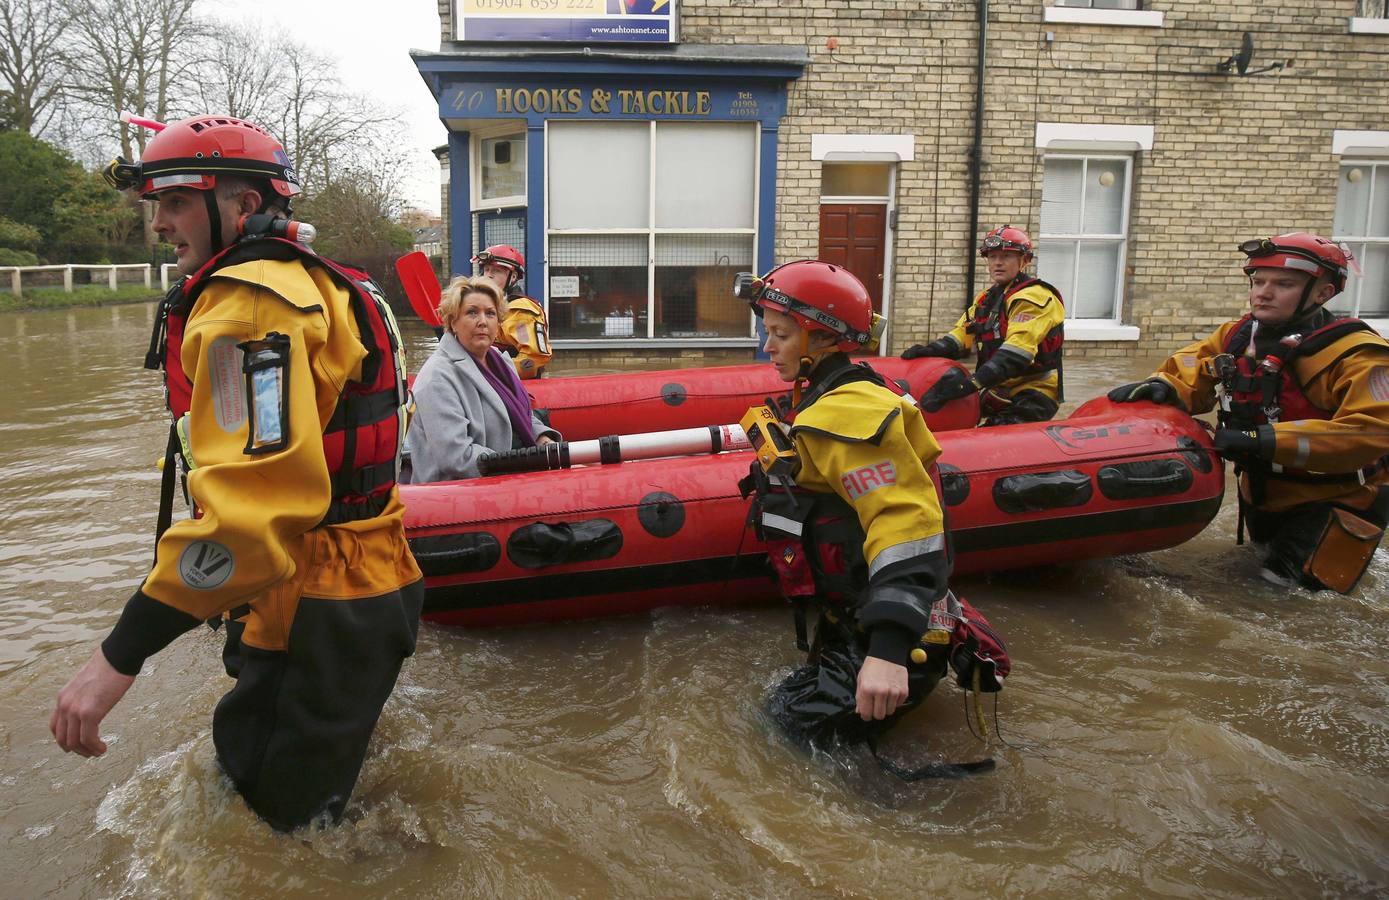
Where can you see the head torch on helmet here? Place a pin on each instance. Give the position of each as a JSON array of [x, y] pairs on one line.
[[746, 286], [1262, 247], [122, 175]]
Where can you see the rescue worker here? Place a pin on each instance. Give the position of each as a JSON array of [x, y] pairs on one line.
[[524, 335], [852, 518], [285, 376], [1016, 328], [1303, 400]]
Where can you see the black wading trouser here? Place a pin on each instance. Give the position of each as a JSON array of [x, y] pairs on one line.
[[815, 705], [293, 732]]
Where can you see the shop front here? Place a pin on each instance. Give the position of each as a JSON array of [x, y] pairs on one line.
[[636, 182]]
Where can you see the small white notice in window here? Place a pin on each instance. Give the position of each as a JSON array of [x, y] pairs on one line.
[[564, 286]]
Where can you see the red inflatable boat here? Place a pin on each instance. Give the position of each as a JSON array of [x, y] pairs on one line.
[[605, 540], [588, 407]]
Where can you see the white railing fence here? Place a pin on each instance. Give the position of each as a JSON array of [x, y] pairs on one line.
[[112, 271]]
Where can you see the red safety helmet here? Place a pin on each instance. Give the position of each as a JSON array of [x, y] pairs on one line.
[[1299, 251], [1006, 237], [505, 256], [193, 152], [820, 297]]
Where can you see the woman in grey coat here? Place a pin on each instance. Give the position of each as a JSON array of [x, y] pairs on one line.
[[468, 401]]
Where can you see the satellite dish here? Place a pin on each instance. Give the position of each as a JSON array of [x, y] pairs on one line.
[[1240, 61], [1246, 53]]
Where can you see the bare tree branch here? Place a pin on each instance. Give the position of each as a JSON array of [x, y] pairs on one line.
[[32, 56]]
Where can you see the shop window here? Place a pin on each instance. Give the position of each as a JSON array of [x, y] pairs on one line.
[[648, 223], [1362, 222], [502, 169], [1084, 236], [694, 280]]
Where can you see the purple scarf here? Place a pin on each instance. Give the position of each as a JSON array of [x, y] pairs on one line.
[[501, 374]]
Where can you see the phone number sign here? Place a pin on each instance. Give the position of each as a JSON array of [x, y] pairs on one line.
[[581, 21]]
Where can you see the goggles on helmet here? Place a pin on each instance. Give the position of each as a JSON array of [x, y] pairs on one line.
[[1255, 248], [994, 242]]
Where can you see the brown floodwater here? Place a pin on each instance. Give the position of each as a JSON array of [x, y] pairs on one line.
[[1176, 726]]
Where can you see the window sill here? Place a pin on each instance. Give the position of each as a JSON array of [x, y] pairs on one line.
[[1099, 330], [1362, 25], [1380, 325], [1134, 18], [650, 343]]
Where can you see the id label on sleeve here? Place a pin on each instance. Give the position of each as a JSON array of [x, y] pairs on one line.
[[224, 368]]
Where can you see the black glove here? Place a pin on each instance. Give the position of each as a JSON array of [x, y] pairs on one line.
[[1237, 445], [953, 384], [940, 347], [1154, 389]]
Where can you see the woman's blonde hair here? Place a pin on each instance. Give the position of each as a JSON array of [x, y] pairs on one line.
[[451, 304]]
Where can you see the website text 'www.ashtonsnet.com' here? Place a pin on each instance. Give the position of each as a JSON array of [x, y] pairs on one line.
[[626, 29]]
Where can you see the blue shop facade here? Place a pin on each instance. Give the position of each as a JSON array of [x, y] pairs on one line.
[[635, 181]]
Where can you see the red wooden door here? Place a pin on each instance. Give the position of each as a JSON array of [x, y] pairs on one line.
[[853, 235]]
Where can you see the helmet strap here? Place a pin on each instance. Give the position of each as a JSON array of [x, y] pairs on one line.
[[803, 373], [214, 220], [809, 360], [1303, 304]]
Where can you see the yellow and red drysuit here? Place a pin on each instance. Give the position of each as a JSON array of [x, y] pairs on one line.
[[860, 530], [525, 336], [1017, 331], [317, 558], [1322, 428]]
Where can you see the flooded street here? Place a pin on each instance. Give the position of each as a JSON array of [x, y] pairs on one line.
[[1175, 726]]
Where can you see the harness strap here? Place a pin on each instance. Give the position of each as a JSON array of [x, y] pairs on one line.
[[166, 488], [366, 409]]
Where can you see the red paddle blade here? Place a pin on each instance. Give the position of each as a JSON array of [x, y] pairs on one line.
[[421, 286]]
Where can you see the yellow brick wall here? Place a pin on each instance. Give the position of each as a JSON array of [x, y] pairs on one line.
[[1233, 157]]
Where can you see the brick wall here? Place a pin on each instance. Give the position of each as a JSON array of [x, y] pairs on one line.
[[1233, 157]]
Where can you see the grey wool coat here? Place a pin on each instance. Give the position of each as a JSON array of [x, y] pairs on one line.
[[458, 417]]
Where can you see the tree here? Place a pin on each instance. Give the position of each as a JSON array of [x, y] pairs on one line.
[[17, 243], [44, 192], [91, 221], [33, 174], [130, 54], [292, 92], [357, 213], [33, 55]]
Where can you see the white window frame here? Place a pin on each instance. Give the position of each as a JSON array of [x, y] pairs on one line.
[[1092, 140], [1379, 182], [1079, 15], [1369, 24], [500, 130], [1080, 238], [652, 232]]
